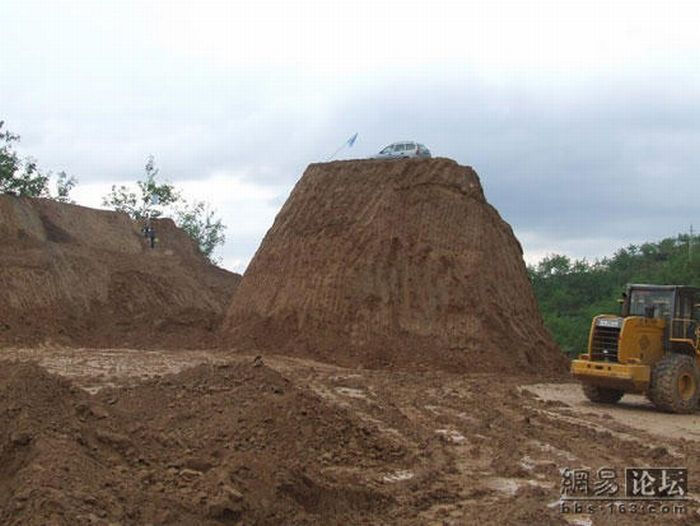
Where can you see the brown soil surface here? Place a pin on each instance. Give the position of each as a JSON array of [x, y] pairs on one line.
[[76, 275], [401, 380], [231, 439], [392, 264]]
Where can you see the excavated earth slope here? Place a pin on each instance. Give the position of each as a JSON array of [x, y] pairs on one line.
[[392, 263], [76, 275]]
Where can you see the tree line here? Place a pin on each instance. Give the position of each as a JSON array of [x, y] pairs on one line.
[[570, 292], [148, 198]]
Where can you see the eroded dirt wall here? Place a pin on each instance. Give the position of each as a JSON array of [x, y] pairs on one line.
[[383, 263]]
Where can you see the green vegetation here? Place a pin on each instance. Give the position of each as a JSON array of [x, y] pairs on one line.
[[64, 184], [151, 199], [197, 219], [23, 178], [148, 201], [570, 293]]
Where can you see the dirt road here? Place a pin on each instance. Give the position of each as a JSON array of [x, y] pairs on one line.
[[455, 449], [634, 411]]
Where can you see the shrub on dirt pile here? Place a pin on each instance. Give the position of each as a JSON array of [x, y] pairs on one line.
[[152, 199], [22, 177]]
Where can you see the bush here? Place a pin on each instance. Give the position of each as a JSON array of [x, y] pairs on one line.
[[152, 199], [22, 177]]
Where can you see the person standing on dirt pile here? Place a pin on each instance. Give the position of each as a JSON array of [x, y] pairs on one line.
[[150, 233]]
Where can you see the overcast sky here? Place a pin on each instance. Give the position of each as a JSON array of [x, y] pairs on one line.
[[581, 117]]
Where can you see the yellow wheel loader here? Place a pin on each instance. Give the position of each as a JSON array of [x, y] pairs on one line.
[[652, 348]]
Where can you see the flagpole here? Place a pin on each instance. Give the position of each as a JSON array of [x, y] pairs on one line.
[[348, 143], [336, 152]]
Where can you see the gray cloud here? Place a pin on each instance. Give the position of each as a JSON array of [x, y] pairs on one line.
[[615, 164], [578, 161]]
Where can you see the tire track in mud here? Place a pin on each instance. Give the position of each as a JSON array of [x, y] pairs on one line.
[[475, 448]]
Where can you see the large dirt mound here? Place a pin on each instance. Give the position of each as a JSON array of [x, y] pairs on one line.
[[76, 275], [231, 444], [399, 263]]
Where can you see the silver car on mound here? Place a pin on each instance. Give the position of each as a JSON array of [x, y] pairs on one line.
[[400, 150]]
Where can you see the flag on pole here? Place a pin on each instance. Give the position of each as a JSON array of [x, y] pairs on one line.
[[347, 143]]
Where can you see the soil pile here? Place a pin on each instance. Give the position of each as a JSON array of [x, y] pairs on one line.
[[392, 264], [76, 275], [232, 444], [293, 441]]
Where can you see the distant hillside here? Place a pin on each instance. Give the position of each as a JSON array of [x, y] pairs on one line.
[[570, 293]]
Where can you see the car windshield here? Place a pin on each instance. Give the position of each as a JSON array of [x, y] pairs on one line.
[[655, 302]]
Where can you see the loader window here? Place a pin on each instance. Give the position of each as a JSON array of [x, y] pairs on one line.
[[685, 324], [684, 306], [654, 303], [695, 306]]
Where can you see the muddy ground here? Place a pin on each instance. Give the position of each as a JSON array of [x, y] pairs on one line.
[[410, 448]]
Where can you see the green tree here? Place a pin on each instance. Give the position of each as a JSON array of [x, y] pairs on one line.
[[64, 185], [570, 293], [197, 219], [153, 198], [23, 178], [20, 177], [149, 200]]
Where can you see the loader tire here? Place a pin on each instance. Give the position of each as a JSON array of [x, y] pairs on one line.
[[602, 395], [674, 384]]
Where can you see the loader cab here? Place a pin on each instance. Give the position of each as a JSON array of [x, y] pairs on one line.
[[679, 306], [650, 301]]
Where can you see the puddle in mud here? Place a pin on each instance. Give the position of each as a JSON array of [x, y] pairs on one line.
[[351, 392], [510, 486], [451, 435], [398, 476], [549, 448]]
